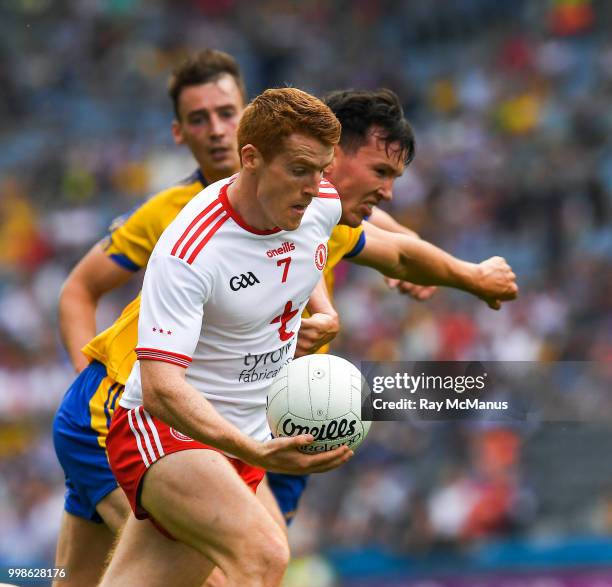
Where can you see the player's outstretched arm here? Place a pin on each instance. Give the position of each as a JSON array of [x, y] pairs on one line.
[[415, 260], [93, 276], [323, 324], [168, 396], [385, 221]]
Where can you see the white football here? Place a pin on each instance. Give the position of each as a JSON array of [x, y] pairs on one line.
[[318, 395]]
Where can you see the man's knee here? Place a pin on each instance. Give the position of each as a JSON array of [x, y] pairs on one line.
[[277, 553], [263, 552]]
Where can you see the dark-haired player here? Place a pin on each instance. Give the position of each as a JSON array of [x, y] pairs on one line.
[[375, 147]]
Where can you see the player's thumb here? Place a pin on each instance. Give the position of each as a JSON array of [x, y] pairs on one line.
[[494, 304]]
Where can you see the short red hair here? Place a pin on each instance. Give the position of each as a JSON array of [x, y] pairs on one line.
[[278, 113]]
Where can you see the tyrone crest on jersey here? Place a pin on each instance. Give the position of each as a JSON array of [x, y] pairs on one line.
[[321, 256]]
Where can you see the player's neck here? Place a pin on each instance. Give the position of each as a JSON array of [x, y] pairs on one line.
[[242, 195], [214, 176]]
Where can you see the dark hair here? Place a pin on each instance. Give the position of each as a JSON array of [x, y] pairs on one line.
[[205, 66], [359, 110], [276, 114]]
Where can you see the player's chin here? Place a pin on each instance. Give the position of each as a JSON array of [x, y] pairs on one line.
[[290, 223], [352, 219], [225, 168], [293, 218]]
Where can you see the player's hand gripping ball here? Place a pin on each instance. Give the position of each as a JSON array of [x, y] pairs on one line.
[[318, 395]]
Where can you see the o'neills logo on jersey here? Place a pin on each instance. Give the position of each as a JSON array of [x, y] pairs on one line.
[[287, 247], [330, 431]]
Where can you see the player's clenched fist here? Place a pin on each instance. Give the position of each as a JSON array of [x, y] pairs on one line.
[[496, 282], [316, 331]]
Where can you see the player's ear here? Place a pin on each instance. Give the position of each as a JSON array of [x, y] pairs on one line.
[[250, 157], [332, 166], [177, 132]]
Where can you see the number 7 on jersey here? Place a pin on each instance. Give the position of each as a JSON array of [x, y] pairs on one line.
[[286, 261]]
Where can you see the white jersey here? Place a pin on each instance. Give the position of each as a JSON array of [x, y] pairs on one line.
[[225, 301]]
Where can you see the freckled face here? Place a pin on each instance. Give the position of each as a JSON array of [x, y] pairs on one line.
[[288, 182], [365, 177]]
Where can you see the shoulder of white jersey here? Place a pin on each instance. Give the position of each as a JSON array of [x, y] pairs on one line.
[[327, 202], [327, 190], [196, 224]]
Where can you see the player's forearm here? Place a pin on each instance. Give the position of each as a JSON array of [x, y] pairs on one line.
[[425, 264], [94, 275], [181, 406], [320, 302], [77, 321]]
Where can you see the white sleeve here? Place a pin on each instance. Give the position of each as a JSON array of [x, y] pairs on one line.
[[337, 216], [329, 194], [171, 313]]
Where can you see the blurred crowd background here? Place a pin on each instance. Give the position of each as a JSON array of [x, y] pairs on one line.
[[510, 102]]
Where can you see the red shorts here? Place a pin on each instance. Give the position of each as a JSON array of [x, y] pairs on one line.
[[136, 440]]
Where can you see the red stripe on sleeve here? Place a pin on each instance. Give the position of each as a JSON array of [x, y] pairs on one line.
[[165, 356], [200, 230], [193, 223], [203, 242]]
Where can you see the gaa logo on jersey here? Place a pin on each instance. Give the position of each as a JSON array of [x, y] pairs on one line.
[[180, 436], [243, 280], [321, 256]]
